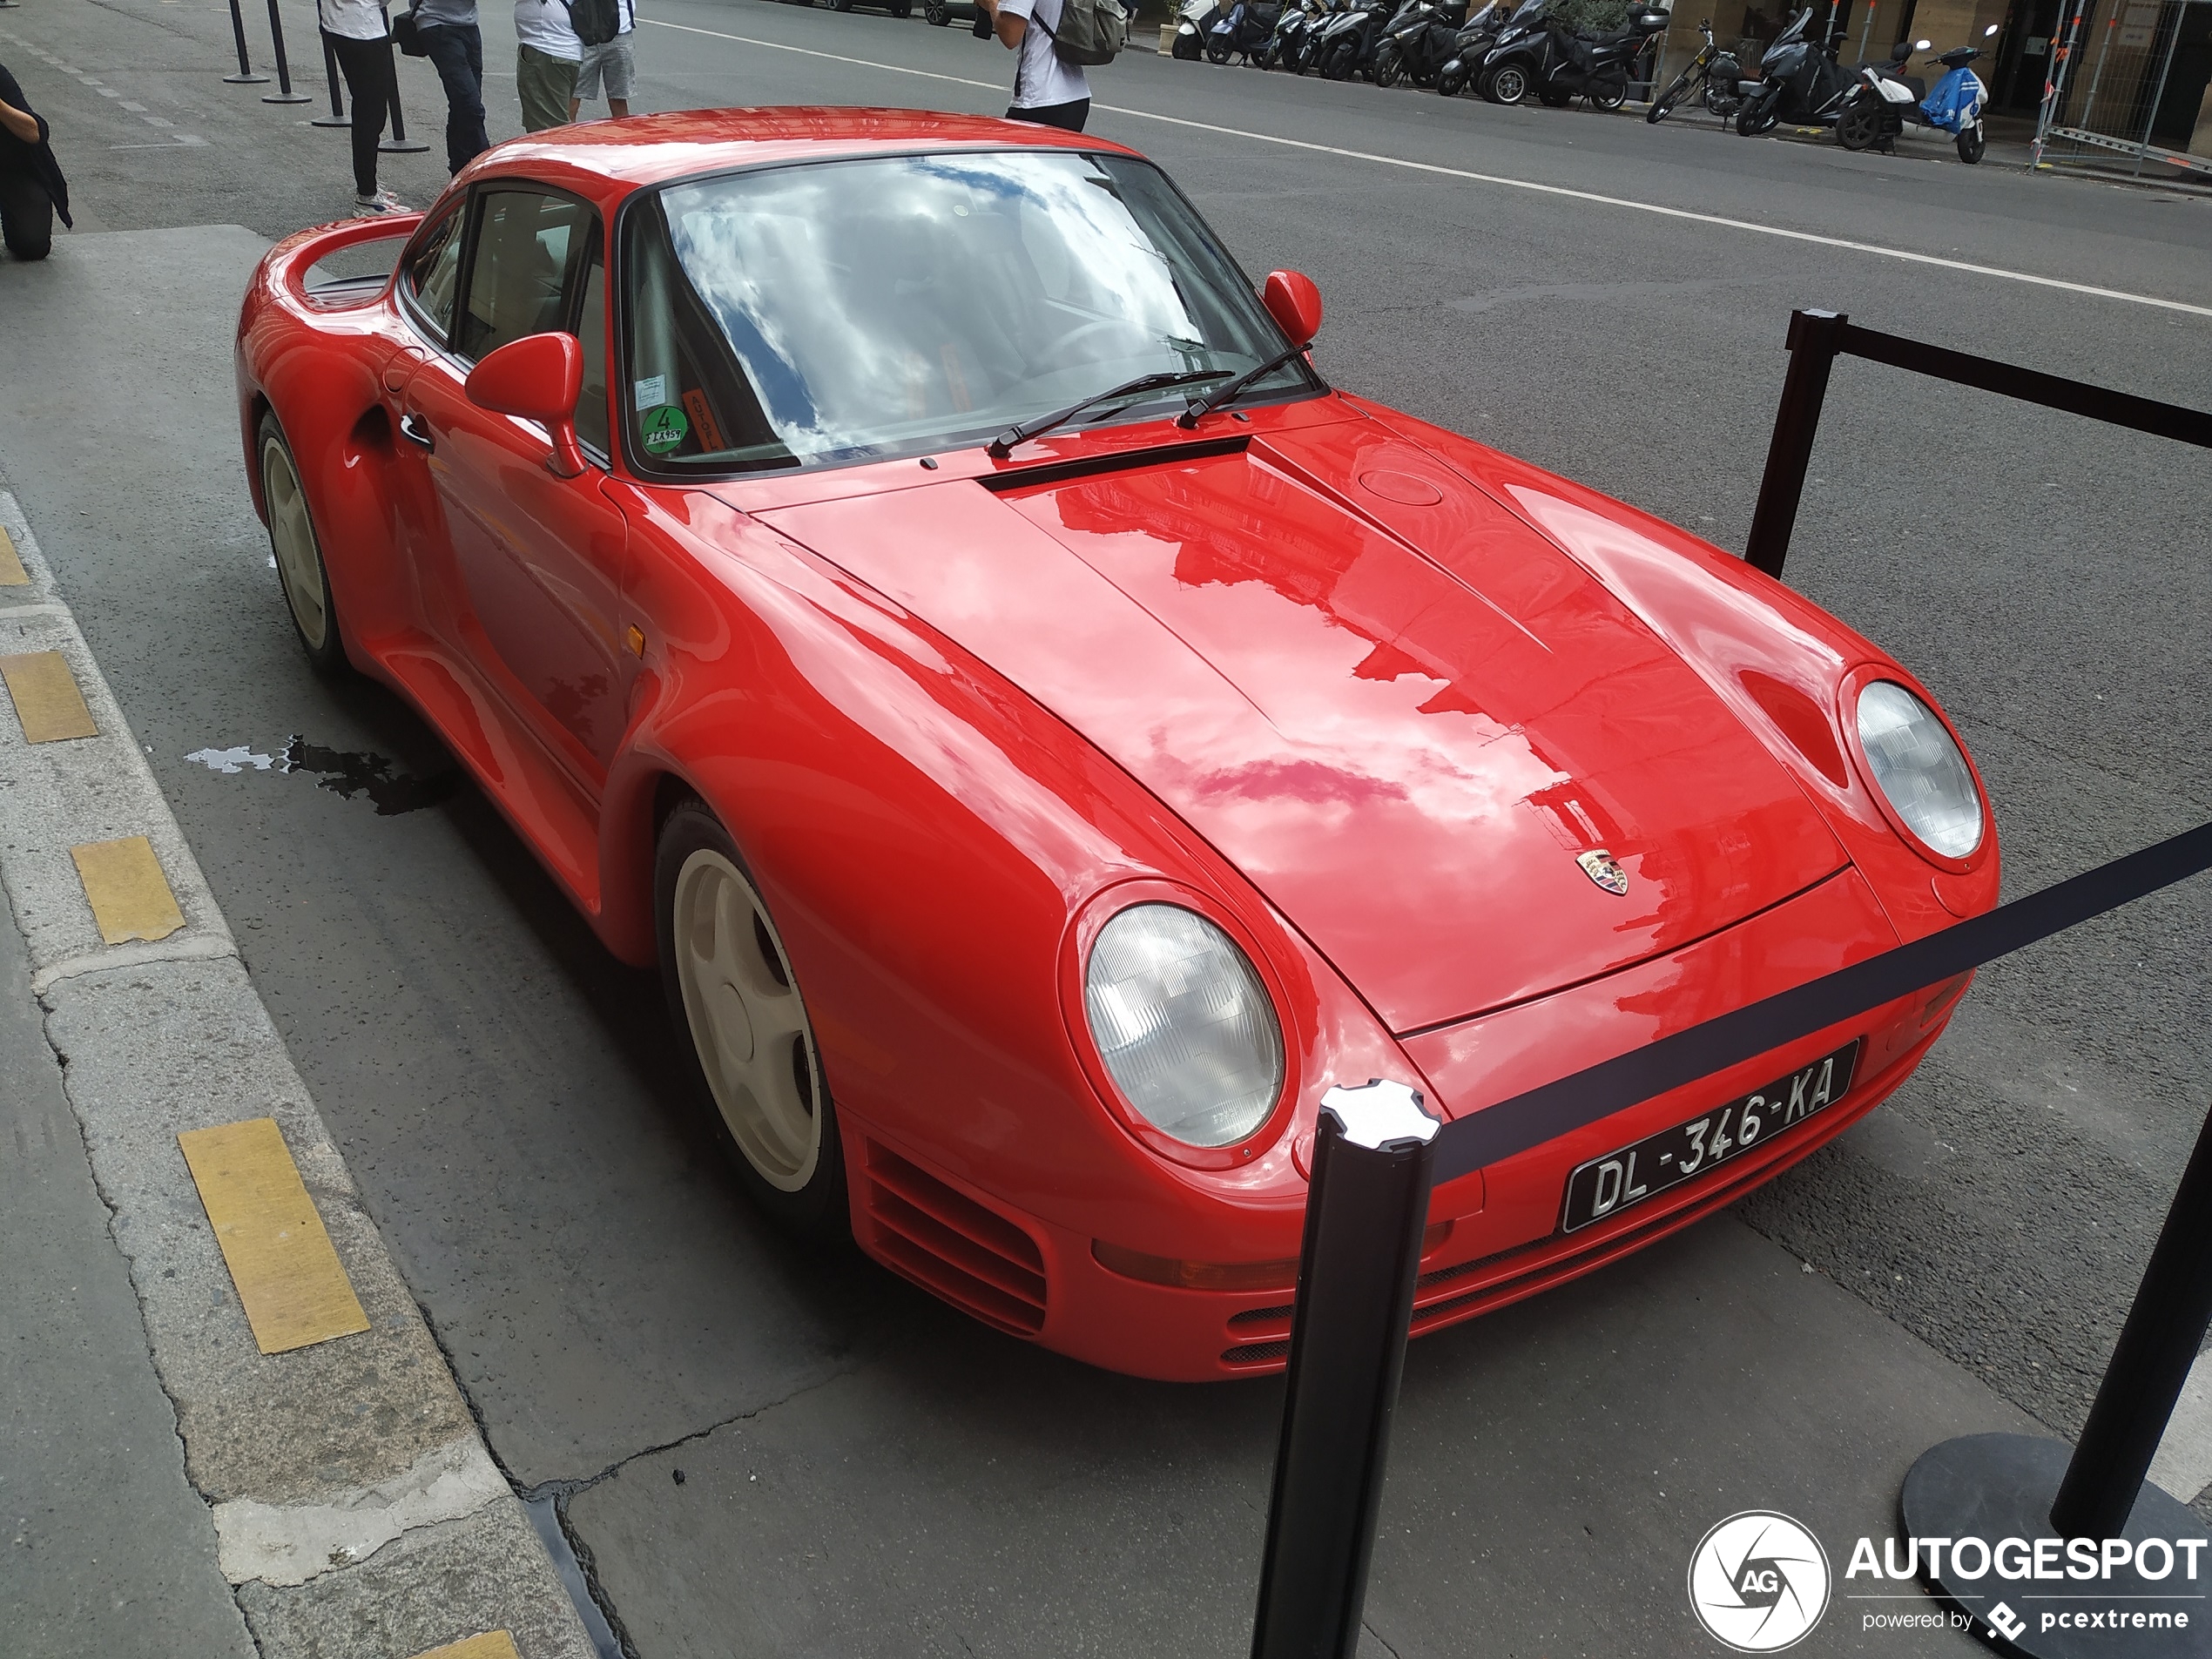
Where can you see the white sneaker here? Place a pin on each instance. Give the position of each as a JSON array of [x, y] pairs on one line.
[[383, 202]]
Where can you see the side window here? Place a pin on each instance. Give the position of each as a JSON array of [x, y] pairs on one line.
[[528, 247], [591, 335], [428, 280]]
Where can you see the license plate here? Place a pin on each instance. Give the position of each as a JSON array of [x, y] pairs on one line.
[[1606, 1186]]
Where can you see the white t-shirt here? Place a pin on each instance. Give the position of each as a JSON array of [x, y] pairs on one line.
[[544, 24], [352, 19], [1041, 79]]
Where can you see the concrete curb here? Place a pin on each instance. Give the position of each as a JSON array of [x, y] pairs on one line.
[[358, 1514]]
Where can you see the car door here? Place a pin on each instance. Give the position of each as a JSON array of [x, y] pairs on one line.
[[535, 560]]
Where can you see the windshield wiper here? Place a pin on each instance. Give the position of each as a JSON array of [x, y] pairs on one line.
[[1199, 408], [1003, 446]]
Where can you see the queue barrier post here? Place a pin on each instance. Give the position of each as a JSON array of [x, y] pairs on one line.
[[399, 144], [1365, 1210], [1814, 337], [337, 118], [1993, 1486], [245, 76], [284, 94]]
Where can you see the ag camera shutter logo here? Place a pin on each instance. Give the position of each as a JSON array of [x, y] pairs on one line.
[[1759, 1582]]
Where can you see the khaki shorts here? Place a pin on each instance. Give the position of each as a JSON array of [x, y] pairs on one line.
[[611, 62]]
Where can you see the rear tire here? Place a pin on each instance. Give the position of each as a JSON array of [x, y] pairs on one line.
[[1217, 54], [728, 979], [1972, 143], [298, 551], [1551, 98], [1607, 94], [1858, 126], [937, 16]]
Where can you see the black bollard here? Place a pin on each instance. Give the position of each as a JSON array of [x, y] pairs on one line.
[[245, 76], [284, 94], [1813, 337], [1373, 1154], [399, 144], [337, 115], [1994, 1487]]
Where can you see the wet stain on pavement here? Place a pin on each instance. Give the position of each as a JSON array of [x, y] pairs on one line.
[[349, 772]]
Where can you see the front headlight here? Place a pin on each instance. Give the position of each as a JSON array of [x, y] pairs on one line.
[[1918, 769], [1184, 1024]]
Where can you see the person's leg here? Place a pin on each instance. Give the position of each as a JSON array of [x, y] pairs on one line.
[[479, 139], [544, 84], [26, 216], [447, 48], [617, 66], [357, 62], [587, 79]]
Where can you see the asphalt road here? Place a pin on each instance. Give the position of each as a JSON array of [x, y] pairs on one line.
[[865, 1472]]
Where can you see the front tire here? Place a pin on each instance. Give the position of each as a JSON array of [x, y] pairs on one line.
[[1389, 62], [1756, 117], [1663, 106], [1505, 84], [731, 987], [1451, 82], [298, 551], [1972, 143], [937, 16]]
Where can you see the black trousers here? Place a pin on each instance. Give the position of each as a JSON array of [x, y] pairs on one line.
[[367, 65], [458, 50], [1067, 117], [26, 215]]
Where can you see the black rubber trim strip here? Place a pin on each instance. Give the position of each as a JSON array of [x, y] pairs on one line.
[[1554, 1108], [1162, 455]]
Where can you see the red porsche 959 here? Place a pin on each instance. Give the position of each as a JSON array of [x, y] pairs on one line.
[[901, 579]]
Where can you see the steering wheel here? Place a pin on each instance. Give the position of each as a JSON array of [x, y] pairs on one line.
[[1090, 328]]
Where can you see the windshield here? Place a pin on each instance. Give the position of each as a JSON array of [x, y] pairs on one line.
[[1796, 29], [850, 310], [1526, 16]]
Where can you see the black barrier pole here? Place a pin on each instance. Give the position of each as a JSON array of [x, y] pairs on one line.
[[1373, 1152], [284, 94], [337, 115], [1814, 338], [245, 76], [399, 144], [2156, 1348]]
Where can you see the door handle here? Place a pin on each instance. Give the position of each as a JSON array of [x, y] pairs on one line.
[[416, 431]]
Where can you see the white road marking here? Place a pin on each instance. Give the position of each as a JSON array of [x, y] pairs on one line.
[[2184, 1466], [1875, 249]]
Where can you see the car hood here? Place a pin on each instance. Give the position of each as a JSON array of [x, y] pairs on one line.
[[1400, 711]]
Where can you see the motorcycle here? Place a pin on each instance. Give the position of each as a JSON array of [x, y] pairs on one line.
[[1558, 66], [1799, 81], [1469, 47], [1713, 74], [1883, 99], [1243, 33], [1418, 42], [1190, 29], [1348, 40], [1293, 35]]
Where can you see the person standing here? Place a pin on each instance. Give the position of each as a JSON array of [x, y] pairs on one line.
[[1046, 89], [362, 41], [546, 55], [611, 61], [447, 33], [32, 190]]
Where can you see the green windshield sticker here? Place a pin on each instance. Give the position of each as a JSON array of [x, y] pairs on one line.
[[662, 430]]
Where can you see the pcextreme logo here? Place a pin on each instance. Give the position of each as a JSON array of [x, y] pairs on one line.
[[1759, 1582]]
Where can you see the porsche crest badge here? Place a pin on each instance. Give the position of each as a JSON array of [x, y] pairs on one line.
[[1604, 869]]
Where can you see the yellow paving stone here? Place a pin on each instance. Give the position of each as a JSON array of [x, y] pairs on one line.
[[495, 1644], [12, 575], [46, 698], [124, 884], [294, 1287]]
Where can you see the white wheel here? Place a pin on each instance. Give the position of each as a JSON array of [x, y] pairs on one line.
[[299, 557], [747, 1020]]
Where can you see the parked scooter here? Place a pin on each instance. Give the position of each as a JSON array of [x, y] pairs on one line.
[[1295, 35], [1713, 75], [1418, 42], [1348, 40], [1244, 33], [1883, 100], [1470, 46], [1799, 81], [1190, 29], [1558, 65]]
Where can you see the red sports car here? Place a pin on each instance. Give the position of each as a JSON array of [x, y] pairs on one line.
[[901, 579]]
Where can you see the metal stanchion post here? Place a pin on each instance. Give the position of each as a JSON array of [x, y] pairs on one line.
[[399, 144], [1813, 340], [337, 115], [245, 76], [1991, 1487], [1373, 1154], [284, 94]]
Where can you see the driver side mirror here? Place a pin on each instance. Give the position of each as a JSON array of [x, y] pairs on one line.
[[538, 378], [1295, 303]]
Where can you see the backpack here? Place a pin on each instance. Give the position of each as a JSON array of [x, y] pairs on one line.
[[595, 22], [1091, 32]]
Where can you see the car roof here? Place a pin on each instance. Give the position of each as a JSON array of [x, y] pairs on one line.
[[652, 149]]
